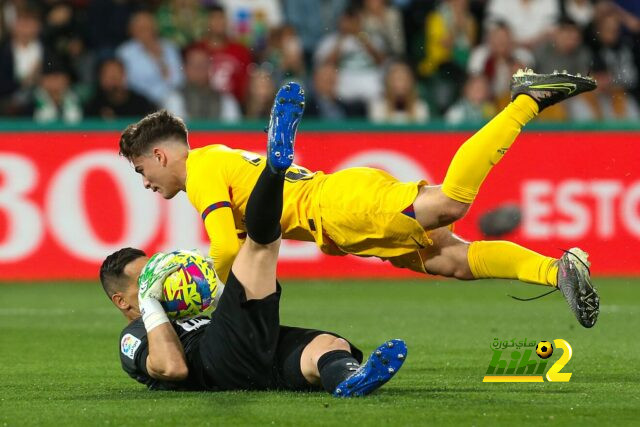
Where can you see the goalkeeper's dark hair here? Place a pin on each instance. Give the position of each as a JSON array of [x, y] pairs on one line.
[[138, 137], [112, 269]]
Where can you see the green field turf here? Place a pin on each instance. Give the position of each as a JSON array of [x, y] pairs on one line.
[[59, 360]]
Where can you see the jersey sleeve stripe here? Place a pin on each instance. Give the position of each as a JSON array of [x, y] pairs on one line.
[[213, 207], [410, 212]]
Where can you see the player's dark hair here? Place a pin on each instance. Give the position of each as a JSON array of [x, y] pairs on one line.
[[137, 138], [112, 268]]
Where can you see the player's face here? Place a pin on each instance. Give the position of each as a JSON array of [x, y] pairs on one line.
[[132, 271], [156, 176]]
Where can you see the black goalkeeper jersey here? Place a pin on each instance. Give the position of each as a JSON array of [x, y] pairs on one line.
[[134, 349]]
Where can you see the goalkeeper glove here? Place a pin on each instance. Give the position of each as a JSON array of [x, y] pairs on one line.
[[150, 289]]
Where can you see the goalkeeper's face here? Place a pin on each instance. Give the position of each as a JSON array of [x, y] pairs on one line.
[[130, 293]]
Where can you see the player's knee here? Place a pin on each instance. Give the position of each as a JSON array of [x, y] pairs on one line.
[[435, 209], [460, 262], [325, 343], [450, 262], [454, 210], [339, 344]]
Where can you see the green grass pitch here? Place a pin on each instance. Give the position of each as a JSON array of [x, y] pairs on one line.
[[59, 360]]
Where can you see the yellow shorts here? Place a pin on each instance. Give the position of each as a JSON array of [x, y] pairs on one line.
[[360, 211]]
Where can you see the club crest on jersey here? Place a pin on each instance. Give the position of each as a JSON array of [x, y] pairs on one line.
[[129, 345]]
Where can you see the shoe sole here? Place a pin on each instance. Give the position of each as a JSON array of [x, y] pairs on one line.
[[381, 366], [527, 81], [286, 113], [580, 260]]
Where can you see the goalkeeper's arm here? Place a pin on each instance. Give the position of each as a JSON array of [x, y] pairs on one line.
[[166, 360]]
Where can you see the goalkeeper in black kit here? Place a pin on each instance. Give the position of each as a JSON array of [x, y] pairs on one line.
[[242, 346]]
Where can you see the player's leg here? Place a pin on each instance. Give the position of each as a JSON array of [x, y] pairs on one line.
[[241, 341], [337, 362], [531, 93], [450, 256], [255, 264], [333, 363]]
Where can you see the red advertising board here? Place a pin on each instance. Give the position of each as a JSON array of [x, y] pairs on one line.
[[67, 200]]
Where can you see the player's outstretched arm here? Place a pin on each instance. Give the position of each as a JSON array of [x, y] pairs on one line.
[[166, 360]]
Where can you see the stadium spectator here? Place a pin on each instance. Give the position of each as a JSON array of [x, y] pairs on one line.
[[153, 65], [63, 34], [21, 54], [579, 11], [181, 21], [108, 25], [260, 95], [113, 98], [498, 59], [323, 101], [475, 104], [53, 99], [530, 21], [197, 99], [8, 12], [614, 39], [230, 60], [250, 20], [384, 20], [612, 102], [564, 51], [357, 56], [627, 10], [312, 27], [284, 53], [615, 68], [400, 103], [449, 36]]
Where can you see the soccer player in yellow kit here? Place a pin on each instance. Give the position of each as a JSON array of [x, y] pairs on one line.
[[365, 211]]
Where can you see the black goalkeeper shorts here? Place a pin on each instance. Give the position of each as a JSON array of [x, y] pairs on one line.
[[245, 347]]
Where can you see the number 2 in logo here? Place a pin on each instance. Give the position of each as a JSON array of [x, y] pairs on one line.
[[554, 374]]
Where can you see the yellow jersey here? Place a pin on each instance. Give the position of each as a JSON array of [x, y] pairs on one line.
[[218, 184]]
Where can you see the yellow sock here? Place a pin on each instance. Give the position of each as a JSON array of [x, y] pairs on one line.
[[475, 158], [506, 260]]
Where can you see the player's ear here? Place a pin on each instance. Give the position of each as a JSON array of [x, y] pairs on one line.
[[119, 301], [160, 156]]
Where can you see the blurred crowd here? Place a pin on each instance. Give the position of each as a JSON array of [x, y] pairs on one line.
[[389, 61]]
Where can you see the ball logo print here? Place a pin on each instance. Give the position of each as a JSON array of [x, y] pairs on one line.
[[544, 349], [520, 365]]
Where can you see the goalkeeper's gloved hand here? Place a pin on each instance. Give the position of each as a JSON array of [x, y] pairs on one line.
[[150, 289]]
